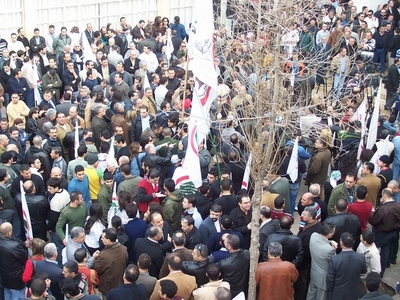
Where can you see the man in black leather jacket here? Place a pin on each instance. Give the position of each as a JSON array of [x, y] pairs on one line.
[[198, 266], [38, 208], [291, 244], [235, 267], [345, 222], [12, 262]]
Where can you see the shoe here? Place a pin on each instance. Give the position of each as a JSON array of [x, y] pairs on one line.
[[393, 262]]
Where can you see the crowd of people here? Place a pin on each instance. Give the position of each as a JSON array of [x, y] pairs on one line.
[[112, 215]]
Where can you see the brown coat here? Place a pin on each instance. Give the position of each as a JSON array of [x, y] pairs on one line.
[[110, 266], [274, 279], [373, 184], [184, 254], [119, 120], [186, 285], [318, 168]]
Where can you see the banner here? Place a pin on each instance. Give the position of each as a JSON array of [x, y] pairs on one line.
[[76, 140], [382, 150], [25, 214], [373, 127], [246, 175], [201, 62], [191, 163], [293, 167]]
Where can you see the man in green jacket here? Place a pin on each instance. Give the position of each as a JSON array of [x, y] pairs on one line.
[[105, 194], [130, 182], [172, 205], [345, 190]]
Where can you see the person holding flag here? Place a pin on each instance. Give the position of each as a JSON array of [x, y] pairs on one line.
[[291, 168]]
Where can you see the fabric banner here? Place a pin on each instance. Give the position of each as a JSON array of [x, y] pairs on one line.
[[25, 214]]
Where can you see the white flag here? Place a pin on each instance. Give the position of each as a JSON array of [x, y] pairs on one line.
[[201, 62], [25, 214], [192, 161], [361, 114], [76, 141], [114, 199], [373, 126], [170, 47], [293, 167], [360, 148], [382, 150], [246, 175], [111, 153]]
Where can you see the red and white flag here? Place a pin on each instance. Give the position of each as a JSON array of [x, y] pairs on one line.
[[373, 127], [293, 166], [114, 199], [25, 214], [361, 114], [246, 175], [201, 62], [76, 141], [192, 162]]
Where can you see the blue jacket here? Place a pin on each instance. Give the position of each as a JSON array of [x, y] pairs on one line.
[[180, 30], [82, 187], [303, 154]]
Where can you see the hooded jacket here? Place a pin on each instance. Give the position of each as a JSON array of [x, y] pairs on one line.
[[173, 209]]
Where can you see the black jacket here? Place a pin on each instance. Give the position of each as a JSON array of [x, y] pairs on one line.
[[126, 291], [40, 189], [55, 275], [198, 269], [346, 222], [135, 131], [305, 236], [12, 263], [144, 245], [240, 224], [38, 208], [292, 249], [269, 228], [193, 238], [393, 79], [235, 270], [69, 142]]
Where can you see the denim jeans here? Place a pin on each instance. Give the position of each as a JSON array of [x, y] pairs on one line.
[[384, 241], [294, 190], [10, 294]]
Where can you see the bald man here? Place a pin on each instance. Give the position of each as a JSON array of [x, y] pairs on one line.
[[12, 262], [308, 200], [57, 173], [3, 143]]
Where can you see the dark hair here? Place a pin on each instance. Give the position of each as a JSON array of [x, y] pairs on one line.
[[125, 168], [226, 222], [82, 150], [131, 273], [38, 287], [96, 214], [144, 261], [72, 266], [188, 220], [370, 166], [168, 287], [233, 240], [265, 211], [3, 174], [70, 286], [213, 271], [175, 262], [169, 184], [368, 236], [341, 205], [226, 184], [191, 200], [123, 199], [347, 239], [361, 192], [205, 186], [80, 254], [79, 168], [279, 202], [327, 228], [216, 208], [179, 238], [285, 222], [131, 210], [111, 234], [53, 182], [373, 281]]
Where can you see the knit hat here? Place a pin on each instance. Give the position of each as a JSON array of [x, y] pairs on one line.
[[92, 158], [90, 139], [385, 159]]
